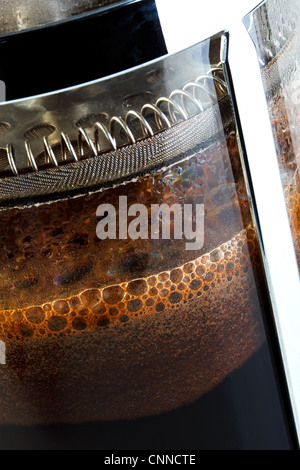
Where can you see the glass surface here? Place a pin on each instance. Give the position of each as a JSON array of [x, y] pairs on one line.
[[275, 31], [142, 340], [78, 49], [16, 15]]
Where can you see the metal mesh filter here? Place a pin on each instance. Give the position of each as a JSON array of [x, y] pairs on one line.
[[65, 153], [172, 144]]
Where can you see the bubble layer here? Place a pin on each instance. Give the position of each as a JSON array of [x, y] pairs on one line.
[[95, 309]]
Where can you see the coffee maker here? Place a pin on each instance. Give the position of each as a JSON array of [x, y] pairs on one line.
[[150, 225]]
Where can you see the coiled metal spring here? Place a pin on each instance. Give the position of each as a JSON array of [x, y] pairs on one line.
[[180, 105]]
